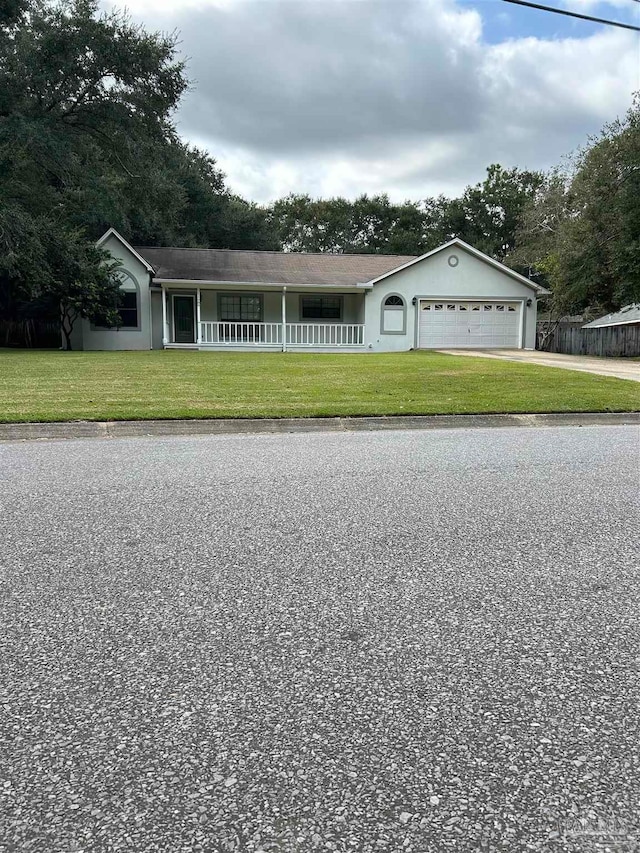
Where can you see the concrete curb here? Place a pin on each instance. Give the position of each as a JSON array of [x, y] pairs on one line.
[[128, 429]]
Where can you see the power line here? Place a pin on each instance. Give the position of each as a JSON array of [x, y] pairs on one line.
[[575, 14]]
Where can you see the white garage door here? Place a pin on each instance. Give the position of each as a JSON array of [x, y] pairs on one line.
[[468, 324]]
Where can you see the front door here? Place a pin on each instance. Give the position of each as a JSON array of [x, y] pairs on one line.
[[183, 319]]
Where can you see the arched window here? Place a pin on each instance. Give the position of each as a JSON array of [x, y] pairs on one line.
[[394, 315], [129, 302], [394, 301], [128, 305]]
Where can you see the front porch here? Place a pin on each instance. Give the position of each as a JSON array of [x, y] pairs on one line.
[[204, 318]]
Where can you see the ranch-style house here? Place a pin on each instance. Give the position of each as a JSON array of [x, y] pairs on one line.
[[216, 299]]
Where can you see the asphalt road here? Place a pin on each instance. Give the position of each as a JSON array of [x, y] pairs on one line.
[[399, 641]]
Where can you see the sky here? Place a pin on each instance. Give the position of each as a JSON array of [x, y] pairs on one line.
[[406, 97]]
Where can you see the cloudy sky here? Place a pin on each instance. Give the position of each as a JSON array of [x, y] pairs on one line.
[[407, 97]]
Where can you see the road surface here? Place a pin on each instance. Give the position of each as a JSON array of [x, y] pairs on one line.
[[400, 641]]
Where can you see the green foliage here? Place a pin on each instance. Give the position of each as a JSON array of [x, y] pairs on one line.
[[367, 224], [581, 232], [49, 270], [486, 216], [87, 142], [81, 282]]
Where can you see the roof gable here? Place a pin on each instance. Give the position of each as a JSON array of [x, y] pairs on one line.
[[476, 253], [113, 233]]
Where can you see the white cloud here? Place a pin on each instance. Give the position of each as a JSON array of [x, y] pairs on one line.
[[345, 97]]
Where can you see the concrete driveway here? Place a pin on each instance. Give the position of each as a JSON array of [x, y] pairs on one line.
[[621, 368], [375, 642]]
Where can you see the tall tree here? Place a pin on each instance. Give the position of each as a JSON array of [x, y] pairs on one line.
[[87, 141], [366, 224], [488, 214], [581, 231], [78, 93]]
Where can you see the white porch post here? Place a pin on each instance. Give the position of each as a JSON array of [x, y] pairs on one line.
[[165, 337], [284, 319], [199, 327]]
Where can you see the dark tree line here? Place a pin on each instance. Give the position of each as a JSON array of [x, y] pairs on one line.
[[87, 140], [486, 216]]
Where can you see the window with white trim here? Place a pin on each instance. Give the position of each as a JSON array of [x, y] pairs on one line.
[[240, 307], [321, 307], [394, 315]]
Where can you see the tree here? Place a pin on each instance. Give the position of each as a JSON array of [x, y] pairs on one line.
[[580, 233], [366, 224], [486, 215], [540, 238], [78, 91], [82, 282], [304, 224], [85, 99], [55, 272]]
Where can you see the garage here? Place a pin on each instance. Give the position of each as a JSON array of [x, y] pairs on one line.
[[463, 323]]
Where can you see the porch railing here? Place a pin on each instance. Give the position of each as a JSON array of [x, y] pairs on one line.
[[241, 334], [270, 334], [325, 334]]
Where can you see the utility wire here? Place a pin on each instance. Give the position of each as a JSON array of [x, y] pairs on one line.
[[575, 14]]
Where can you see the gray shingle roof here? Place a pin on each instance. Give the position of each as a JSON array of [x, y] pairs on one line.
[[628, 314], [231, 265]]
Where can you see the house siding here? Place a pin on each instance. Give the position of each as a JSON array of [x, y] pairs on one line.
[[122, 339], [156, 319], [434, 277]]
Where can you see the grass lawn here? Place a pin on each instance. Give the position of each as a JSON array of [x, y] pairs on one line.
[[59, 386]]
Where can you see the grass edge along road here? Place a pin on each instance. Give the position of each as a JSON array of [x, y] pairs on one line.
[[49, 386]]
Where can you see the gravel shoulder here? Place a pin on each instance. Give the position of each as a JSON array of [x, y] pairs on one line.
[[358, 641]]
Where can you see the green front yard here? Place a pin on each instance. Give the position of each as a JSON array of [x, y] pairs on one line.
[[58, 386]]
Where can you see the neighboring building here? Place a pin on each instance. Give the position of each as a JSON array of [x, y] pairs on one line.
[[613, 336], [451, 297], [627, 316]]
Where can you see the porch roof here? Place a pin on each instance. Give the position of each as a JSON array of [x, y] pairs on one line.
[[237, 266]]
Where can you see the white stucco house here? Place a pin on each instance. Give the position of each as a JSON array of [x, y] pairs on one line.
[[218, 299]]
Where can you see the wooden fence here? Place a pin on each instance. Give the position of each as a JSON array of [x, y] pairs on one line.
[[612, 341], [30, 334]]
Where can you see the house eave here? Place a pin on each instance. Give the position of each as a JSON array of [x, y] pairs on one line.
[[113, 233], [537, 288], [593, 325], [261, 285]]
